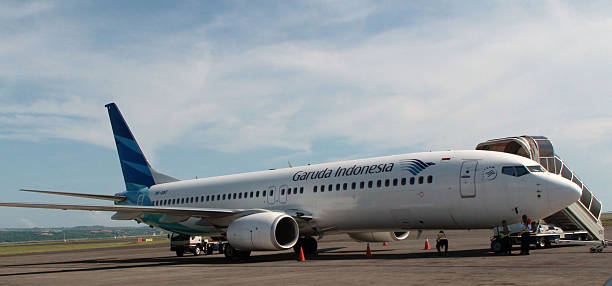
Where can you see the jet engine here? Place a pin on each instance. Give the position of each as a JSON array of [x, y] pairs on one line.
[[263, 231], [379, 236]]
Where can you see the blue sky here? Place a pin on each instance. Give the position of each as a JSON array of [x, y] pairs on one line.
[[219, 87]]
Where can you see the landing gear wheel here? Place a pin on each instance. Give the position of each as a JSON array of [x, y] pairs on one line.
[[541, 243], [179, 253], [197, 251], [229, 251], [309, 245], [496, 246]]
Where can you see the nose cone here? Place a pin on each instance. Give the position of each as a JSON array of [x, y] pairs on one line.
[[562, 192]]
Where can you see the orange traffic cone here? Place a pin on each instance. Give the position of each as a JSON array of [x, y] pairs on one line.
[[427, 244], [368, 251], [385, 243], [301, 257]]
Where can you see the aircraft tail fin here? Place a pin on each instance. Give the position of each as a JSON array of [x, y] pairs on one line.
[[137, 172]]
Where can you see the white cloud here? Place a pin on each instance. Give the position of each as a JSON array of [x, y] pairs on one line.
[[444, 82]]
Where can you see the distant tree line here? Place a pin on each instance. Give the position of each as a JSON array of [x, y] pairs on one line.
[[46, 234]]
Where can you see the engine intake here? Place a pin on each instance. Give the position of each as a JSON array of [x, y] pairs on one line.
[[379, 236], [263, 231]]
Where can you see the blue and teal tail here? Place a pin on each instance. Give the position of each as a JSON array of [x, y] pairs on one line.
[[137, 172]]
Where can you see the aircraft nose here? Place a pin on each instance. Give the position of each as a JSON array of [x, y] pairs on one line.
[[563, 192]]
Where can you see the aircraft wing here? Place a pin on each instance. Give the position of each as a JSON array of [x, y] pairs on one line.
[[80, 195], [171, 211]]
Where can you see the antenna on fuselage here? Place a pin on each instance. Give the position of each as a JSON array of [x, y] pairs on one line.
[[289, 162]]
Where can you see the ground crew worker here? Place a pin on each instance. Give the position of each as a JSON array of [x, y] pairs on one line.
[[442, 241], [504, 236], [525, 235]]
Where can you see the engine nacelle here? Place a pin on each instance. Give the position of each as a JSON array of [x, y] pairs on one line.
[[379, 236], [263, 231]]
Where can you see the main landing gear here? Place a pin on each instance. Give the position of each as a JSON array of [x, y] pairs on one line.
[[308, 244], [230, 252]]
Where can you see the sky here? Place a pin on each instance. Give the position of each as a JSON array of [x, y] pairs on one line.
[[220, 87]]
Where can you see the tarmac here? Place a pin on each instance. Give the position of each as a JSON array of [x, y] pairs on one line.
[[341, 261]]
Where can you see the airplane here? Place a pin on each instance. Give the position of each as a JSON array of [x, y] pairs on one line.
[[371, 200]]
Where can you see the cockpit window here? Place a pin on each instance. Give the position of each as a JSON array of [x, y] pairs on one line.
[[521, 170], [515, 171], [534, 169], [508, 171]]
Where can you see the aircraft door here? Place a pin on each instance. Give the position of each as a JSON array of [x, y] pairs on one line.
[[284, 190], [271, 195], [467, 178]]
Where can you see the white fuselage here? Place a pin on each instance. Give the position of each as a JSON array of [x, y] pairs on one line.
[[433, 190]]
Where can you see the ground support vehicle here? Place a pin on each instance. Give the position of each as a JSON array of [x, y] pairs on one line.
[[542, 236]]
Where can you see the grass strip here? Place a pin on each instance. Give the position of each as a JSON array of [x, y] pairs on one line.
[[17, 248]]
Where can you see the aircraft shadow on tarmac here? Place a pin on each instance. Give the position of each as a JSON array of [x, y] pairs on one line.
[[218, 260]]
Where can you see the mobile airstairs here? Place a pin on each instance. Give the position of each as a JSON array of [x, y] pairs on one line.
[[581, 215]]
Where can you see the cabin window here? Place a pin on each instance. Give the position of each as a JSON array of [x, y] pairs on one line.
[[207, 198], [379, 183], [191, 200], [394, 182], [353, 186], [403, 182], [420, 180], [263, 193], [337, 187], [412, 180], [224, 197], [234, 196], [197, 198], [387, 182], [322, 188], [361, 184], [282, 192], [218, 197], [301, 190], [429, 179], [202, 199], [370, 184], [345, 186], [314, 189], [330, 188], [257, 194], [251, 194], [212, 198]]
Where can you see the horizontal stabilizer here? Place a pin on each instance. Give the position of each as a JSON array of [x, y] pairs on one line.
[[80, 195]]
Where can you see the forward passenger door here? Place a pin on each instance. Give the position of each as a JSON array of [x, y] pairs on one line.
[[467, 178]]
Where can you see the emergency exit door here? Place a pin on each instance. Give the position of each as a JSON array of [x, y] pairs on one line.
[[467, 178]]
